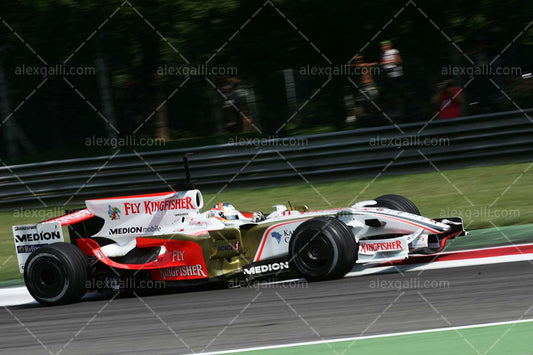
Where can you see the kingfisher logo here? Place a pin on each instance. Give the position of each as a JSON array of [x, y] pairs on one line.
[[114, 212], [151, 207], [276, 236], [372, 247]]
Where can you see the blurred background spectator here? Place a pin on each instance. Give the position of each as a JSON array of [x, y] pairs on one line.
[[391, 62], [366, 90], [449, 99]]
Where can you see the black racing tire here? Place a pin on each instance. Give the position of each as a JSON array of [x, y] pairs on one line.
[[397, 202], [56, 274], [322, 248]]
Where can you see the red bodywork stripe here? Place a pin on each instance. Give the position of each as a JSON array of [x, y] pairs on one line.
[[265, 237], [193, 253], [158, 194], [408, 222], [247, 214], [72, 218], [464, 254], [445, 239]]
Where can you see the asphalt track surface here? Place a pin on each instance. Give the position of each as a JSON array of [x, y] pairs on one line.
[[215, 320]]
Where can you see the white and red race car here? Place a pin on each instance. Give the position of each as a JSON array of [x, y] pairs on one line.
[[166, 237]]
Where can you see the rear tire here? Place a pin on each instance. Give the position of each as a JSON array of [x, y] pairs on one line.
[[397, 202], [322, 248], [56, 274]]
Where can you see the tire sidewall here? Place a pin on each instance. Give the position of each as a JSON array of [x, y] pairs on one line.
[[398, 203], [299, 247], [341, 243], [32, 279], [67, 264]]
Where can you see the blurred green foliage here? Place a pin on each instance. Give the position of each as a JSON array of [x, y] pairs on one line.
[[257, 38]]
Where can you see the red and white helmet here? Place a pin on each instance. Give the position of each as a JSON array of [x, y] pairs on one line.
[[225, 210]]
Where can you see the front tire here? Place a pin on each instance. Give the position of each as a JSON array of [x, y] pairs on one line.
[[322, 248], [56, 274], [397, 202]]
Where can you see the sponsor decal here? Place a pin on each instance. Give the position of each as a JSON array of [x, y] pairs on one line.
[[34, 237], [261, 269], [178, 255], [30, 237], [28, 248], [150, 207], [284, 235], [371, 247], [229, 247], [182, 272], [276, 236], [197, 224], [24, 228], [225, 248], [113, 212], [134, 230], [287, 234], [183, 260], [132, 208]]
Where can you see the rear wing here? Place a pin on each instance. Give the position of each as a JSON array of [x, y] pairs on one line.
[[30, 237]]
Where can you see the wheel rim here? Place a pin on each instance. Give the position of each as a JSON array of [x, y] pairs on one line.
[[316, 252], [313, 253]]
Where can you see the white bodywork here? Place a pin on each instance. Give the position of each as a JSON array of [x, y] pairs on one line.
[[412, 231]]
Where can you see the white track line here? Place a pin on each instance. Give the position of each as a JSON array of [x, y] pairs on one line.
[[14, 296], [270, 347]]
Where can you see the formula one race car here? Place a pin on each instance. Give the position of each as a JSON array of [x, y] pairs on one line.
[[165, 237]]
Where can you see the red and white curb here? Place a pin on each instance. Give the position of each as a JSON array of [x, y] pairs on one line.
[[447, 260], [14, 296]]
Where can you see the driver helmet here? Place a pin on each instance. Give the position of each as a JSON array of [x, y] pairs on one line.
[[225, 210]]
